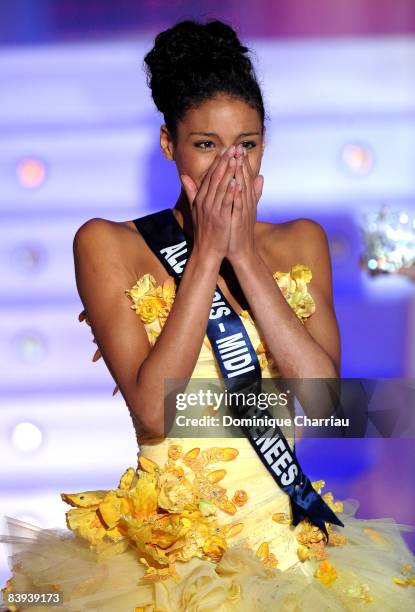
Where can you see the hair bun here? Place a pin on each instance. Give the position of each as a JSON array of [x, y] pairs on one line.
[[222, 40], [189, 44]]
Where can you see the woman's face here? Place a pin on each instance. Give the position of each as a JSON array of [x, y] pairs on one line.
[[209, 129]]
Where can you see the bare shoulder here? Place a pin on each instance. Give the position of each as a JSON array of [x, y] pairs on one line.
[[93, 234], [312, 244], [100, 233], [112, 253], [114, 243], [300, 240], [309, 228], [301, 228]]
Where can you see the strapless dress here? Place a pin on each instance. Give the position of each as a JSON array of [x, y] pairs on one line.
[[200, 525]]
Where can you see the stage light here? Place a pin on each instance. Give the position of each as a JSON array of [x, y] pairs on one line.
[[31, 173], [29, 347], [357, 158], [26, 437], [27, 258]]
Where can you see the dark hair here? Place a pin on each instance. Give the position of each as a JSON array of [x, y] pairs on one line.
[[191, 62]]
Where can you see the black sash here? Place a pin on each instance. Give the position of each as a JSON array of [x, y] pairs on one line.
[[241, 372]]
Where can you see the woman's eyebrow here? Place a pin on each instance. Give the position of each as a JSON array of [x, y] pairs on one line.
[[214, 134]]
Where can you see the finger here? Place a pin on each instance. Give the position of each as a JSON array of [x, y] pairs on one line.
[[239, 170], [251, 196], [242, 154], [258, 186], [228, 198], [246, 171], [213, 166], [204, 186], [239, 151], [238, 201], [206, 179], [219, 172], [248, 166], [223, 184], [242, 182], [189, 188]]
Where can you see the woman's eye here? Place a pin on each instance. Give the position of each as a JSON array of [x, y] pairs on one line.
[[251, 144], [204, 142]]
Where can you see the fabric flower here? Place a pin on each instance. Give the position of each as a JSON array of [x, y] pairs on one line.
[[293, 285], [326, 573], [144, 285], [163, 513], [151, 302], [149, 308], [311, 539]]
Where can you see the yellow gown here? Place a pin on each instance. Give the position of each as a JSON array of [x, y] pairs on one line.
[[200, 525]]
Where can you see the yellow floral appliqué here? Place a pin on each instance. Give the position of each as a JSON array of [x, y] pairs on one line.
[[311, 539], [167, 513], [151, 301], [326, 573], [293, 285]]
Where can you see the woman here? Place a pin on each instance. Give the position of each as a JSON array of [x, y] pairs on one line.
[[204, 524]]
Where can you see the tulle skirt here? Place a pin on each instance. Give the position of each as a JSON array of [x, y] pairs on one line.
[[373, 570]]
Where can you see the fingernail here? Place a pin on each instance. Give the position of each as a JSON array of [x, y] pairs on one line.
[[231, 150]]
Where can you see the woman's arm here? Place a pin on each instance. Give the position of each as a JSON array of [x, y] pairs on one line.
[[310, 350], [138, 369]]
